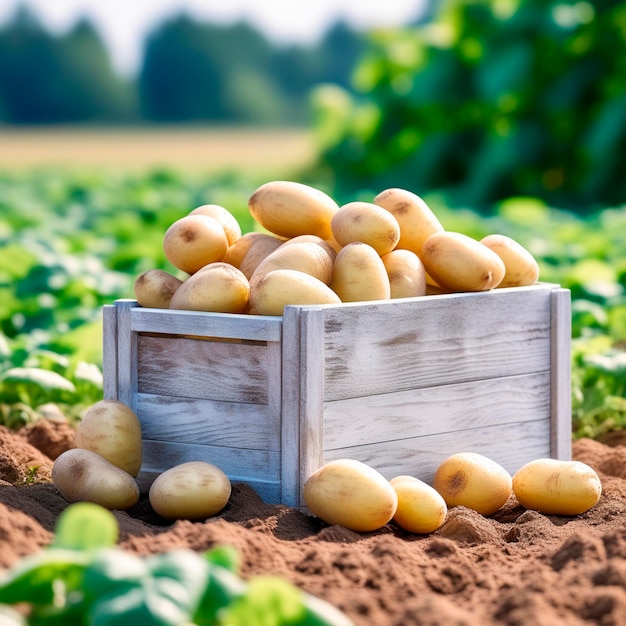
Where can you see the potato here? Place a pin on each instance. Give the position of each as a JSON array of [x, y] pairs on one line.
[[359, 274], [224, 217], [520, 265], [194, 241], [155, 288], [352, 494], [259, 249], [460, 263], [217, 287], [407, 277], [275, 290], [557, 487], [238, 250], [474, 481], [112, 430], [417, 221], [84, 476], [421, 508], [193, 490], [367, 223], [289, 209]]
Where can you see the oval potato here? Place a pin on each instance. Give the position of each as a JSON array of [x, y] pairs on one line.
[[367, 223], [112, 430], [352, 494], [193, 490], [472, 480], [416, 219], [421, 508], [217, 287], [521, 268], [289, 209], [154, 288], [261, 248], [84, 476], [460, 263], [557, 487], [279, 288], [407, 276], [238, 250], [224, 217]]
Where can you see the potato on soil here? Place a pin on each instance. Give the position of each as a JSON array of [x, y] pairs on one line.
[[289, 209], [407, 277], [520, 265], [352, 494], [224, 217], [85, 476], [194, 241], [421, 508], [193, 490], [217, 287], [154, 288], [112, 430]]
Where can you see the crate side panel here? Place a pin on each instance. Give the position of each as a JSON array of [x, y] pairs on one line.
[[195, 368], [233, 424], [511, 445], [434, 340], [446, 408]]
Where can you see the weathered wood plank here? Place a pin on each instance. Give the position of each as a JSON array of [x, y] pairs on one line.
[[109, 352], [236, 424], [126, 354], [211, 370], [447, 408]]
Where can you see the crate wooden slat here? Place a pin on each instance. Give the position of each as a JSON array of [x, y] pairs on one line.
[[398, 384]]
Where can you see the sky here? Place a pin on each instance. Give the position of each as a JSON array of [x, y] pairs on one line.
[[124, 24]]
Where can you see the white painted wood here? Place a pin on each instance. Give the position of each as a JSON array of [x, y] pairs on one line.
[[126, 354], [208, 422], [447, 408], [109, 352], [561, 375]]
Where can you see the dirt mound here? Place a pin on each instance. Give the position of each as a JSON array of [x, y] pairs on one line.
[[516, 568]]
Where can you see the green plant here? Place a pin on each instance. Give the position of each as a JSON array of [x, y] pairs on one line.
[[83, 578]]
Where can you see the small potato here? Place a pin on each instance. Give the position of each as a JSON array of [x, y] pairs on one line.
[[407, 277], [112, 430], [193, 490], [194, 241], [155, 288], [351, 494], [238, 250], [259, 250], [557, 487], [289, 209], [520, 265], [217, 287], [279, 288], [224, 217], [421, 508], [367, 223], [474, 481], [416, 219], [84, 476], [460, 263], [359, 274]]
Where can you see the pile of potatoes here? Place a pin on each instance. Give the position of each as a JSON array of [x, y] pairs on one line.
[[310, 250]]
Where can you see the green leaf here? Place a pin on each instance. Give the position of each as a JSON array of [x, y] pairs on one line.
[[85, 526], [112, 571], [225, 556], [222, 588]]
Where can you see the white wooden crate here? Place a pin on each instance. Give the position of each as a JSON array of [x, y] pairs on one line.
[[400, 384]]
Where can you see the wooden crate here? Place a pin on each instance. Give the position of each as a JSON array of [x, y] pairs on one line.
[[399, 385]]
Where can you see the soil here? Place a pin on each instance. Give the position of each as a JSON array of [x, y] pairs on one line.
[[516, 568]]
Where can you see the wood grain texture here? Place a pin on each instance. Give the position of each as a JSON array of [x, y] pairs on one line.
[[109, 352]]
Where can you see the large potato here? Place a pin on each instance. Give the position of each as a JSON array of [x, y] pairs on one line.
[[194, 241], [520, 265], [407, 276], [259, 250], [351, 494], [289, 209], [279, 288], [217, 287], [421, 508], [112, 430], [84, 476], [238, 250], [359, 274], [224, 217], [472, 480], [416, 219], [367, 223], [154, 288], [193, 490], [460, 263], [557, 487]]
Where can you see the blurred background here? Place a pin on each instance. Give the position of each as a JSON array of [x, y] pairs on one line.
[[116, 118]]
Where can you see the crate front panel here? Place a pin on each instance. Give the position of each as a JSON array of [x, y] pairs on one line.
[[371, 349]]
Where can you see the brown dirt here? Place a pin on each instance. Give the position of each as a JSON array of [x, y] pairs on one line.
[[516, 568]]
